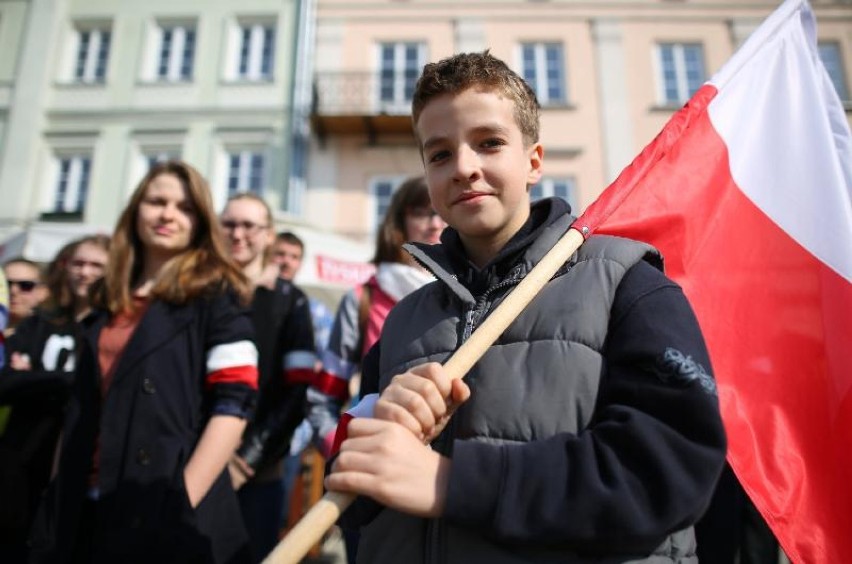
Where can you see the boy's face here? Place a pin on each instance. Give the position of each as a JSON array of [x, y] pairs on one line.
[[477, 166]]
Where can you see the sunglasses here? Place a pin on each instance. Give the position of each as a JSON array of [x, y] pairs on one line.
[[24, 285]]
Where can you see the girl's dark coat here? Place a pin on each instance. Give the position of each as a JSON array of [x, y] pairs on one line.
[[150, 421]]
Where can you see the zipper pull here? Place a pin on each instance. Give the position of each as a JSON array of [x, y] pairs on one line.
[[468, 325]]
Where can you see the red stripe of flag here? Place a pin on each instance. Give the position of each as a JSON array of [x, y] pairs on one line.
[[363, 408], [234, 375], [734, 192], [341, 433]]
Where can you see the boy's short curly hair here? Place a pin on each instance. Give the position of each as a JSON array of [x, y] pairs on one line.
[[478, 70]]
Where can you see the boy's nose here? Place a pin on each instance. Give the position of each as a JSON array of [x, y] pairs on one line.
[[467, 164]]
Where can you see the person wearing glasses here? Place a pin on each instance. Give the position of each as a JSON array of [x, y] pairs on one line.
[[285, 342], [26, 290], [45, 340], [166, 378], [42, 353]]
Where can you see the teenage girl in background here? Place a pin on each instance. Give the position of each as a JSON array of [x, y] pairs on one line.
[[362, 311], [165, 381]]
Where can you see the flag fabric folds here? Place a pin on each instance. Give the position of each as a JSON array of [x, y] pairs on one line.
[[747, 192]]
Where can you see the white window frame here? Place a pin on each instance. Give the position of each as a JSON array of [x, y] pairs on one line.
[[244, 179], [542, 83], [141, 161], [379, 204], [681, 71], [151, 157], [399, 102], [834, 67], [246, 60], [181, 34], [547, 188], [77, 180], [87, 67]]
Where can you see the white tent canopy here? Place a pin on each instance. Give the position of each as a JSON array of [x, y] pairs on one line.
[[40, 241]]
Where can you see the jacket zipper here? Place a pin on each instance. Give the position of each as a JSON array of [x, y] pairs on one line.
[[435, 530]]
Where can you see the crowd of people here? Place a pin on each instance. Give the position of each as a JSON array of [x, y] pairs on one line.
[[158, 384]]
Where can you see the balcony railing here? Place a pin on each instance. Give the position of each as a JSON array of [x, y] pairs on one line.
[[361, 93], [361, 103]]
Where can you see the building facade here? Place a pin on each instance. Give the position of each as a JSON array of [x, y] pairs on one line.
[[307, 101], [607, 74], [94, 91]]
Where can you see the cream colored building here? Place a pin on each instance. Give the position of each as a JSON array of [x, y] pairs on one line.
[[608, 74], [93, 91]]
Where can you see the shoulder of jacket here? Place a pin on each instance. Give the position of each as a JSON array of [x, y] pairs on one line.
[[626, 252]]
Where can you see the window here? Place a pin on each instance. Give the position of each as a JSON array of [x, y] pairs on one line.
[[543, 68], [382, 189], [72, 184], [829, 52], [682, 70], [92, 55], [399, 68], [176, 52], [564, 188], [153, 157], [255, 52], [246, 170]]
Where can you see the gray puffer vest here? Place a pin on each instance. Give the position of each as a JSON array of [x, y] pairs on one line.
[[540, 378]]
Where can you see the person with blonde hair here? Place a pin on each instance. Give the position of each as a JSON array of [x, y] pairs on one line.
[[166, 380], [25, 282], [286, 358]]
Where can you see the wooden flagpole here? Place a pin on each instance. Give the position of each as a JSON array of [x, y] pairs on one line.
[[325, 512]]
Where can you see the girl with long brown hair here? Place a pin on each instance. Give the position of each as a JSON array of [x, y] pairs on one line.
[[362, 311], [167, 377]]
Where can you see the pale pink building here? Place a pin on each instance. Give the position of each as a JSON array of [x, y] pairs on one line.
[[607, 73]]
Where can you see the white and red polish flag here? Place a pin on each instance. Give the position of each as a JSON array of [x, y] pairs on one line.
[[747, 192]]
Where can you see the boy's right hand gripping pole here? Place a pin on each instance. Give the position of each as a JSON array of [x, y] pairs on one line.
[[309, 530]]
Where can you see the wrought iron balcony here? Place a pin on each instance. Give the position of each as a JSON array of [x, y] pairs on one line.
[[361, 103]]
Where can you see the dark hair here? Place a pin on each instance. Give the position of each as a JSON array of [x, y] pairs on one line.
[[458, 73], [291, 238], [202, 268], [413, 193]]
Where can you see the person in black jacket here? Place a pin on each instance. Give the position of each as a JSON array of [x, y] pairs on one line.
[[36, 383], [285, 342], [589, 431], [165, 381]]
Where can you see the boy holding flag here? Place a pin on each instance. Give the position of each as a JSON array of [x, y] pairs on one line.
[[589, 431]]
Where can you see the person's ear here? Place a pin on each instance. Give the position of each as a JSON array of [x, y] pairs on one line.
[[536, 158]]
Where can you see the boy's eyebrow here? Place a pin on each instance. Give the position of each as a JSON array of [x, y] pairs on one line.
[[487, 129], [431, 142]]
